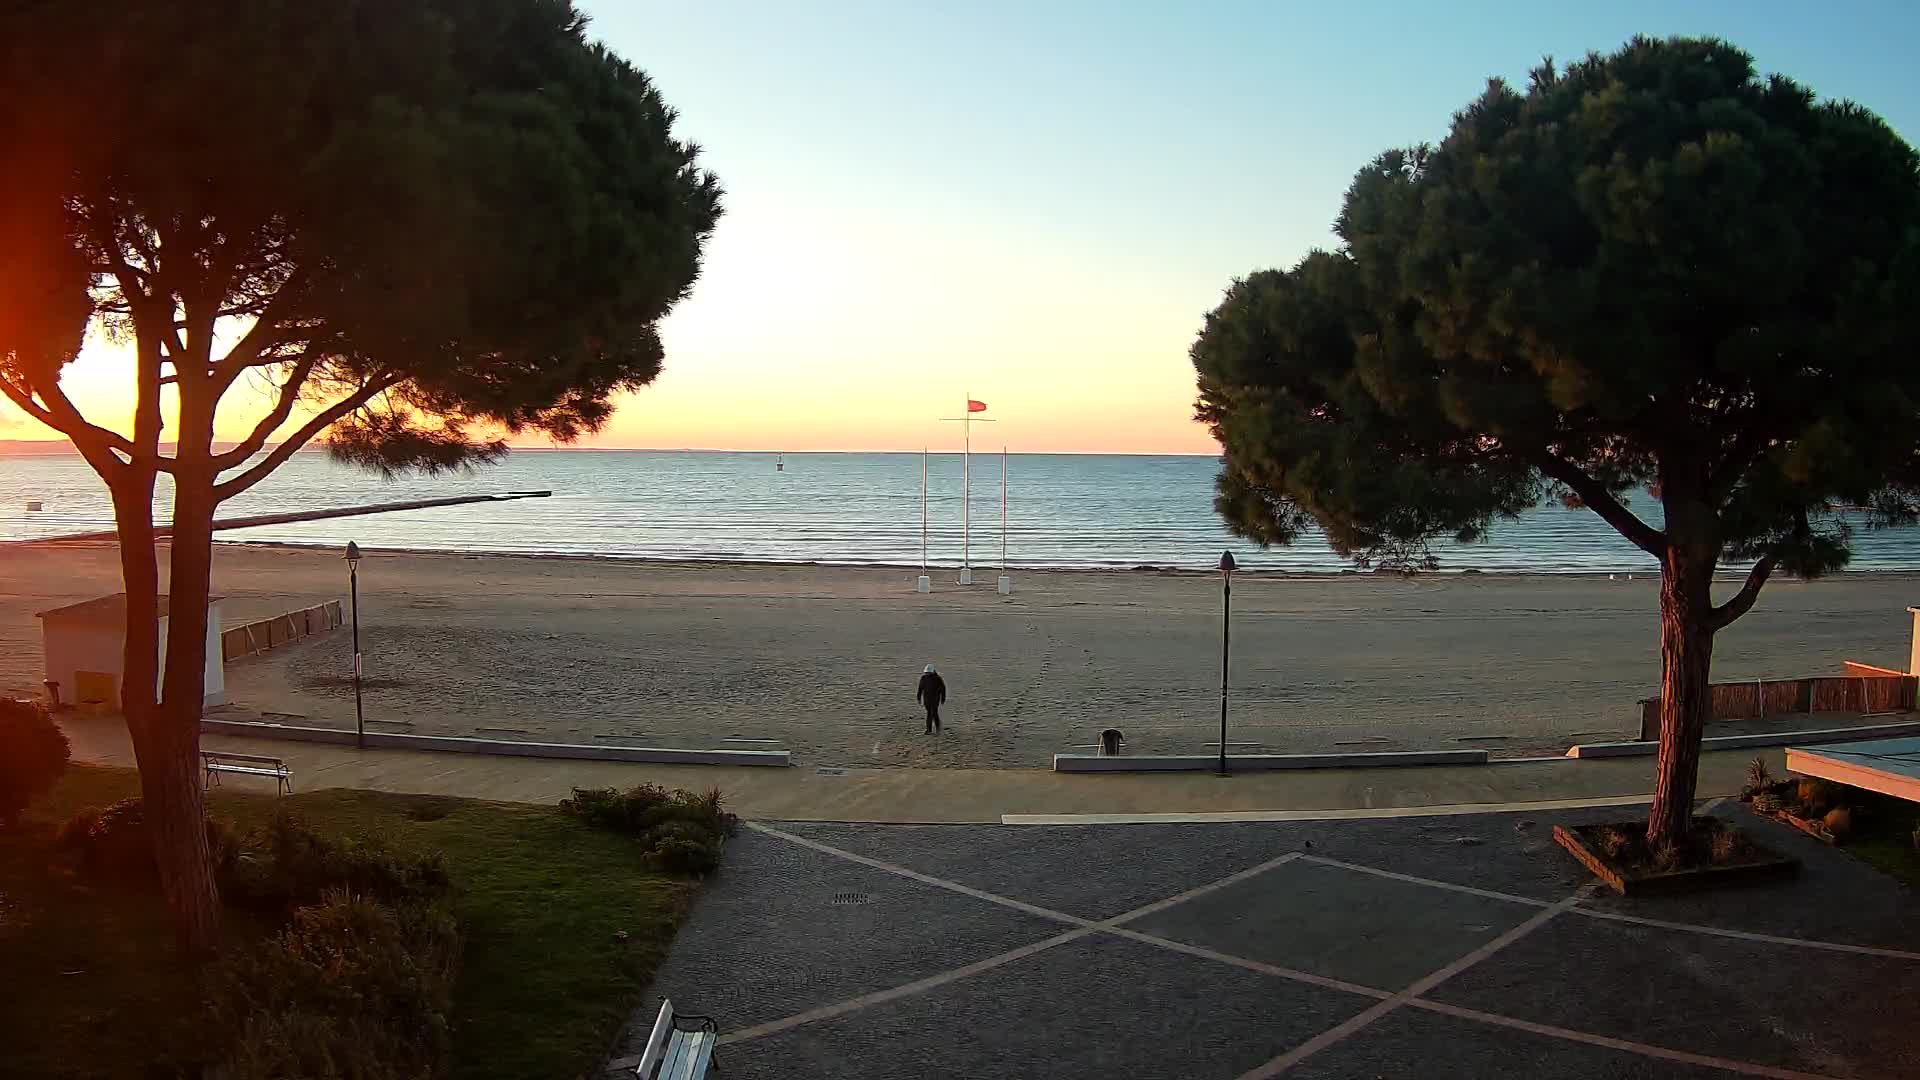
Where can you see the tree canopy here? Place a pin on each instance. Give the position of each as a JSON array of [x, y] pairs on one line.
[[426, 223], [1651, 268]]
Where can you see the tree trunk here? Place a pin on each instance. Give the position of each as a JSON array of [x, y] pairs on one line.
[[175, 807], [1686, 661], [166, 750]]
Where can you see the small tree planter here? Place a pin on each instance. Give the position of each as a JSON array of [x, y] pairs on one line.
[[1754, 863], [1789, 814]]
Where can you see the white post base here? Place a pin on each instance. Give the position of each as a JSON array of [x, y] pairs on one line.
[[966, 576], [923, 583], [1913, 660], [1006, 585]]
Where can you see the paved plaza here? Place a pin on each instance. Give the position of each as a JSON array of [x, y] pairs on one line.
[[1414, 947]]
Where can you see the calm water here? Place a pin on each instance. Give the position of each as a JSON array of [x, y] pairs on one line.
[[1064, 511]]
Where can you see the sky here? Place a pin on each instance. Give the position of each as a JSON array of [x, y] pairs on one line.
[[1035, 204]]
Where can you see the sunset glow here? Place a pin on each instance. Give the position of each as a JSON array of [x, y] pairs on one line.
[[1034, 208]]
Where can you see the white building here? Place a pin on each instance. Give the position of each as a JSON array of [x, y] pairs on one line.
[[85, 643]]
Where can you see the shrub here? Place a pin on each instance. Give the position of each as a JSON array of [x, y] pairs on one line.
[[1615, 842], [1758, 778], [352, 987], [1839, 822], [1815, 797], [1766, 802], [681, 832], [285, 864], [1670, 857], [1916, 839], [33, 754], [1726, 845], [621, 811], [113, 843]]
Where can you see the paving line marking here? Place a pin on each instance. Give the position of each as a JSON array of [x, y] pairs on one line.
[[1365, 1018], [1292, 974], [841, 1008], [1443, 810], [1084, 928], [1386, 1002], [1644, 1049], [1743, 935], [1512, 898], [924, 879], [1614, 916]]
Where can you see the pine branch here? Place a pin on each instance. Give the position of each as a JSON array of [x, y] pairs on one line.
[[327, 418], [262, 431], [1742, 601], [1602, 502]]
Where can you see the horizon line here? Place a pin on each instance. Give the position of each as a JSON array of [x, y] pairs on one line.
[[54, 447]]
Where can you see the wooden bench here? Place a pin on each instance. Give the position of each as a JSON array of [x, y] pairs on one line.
[[219, 761], [678, 1053]]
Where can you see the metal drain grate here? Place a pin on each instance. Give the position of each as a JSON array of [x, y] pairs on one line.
[[843, 899]]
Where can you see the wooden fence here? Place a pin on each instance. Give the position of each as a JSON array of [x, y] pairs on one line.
[[257, 637], [1863, 689]]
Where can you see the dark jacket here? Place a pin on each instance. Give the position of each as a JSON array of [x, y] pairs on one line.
[[933, 689]]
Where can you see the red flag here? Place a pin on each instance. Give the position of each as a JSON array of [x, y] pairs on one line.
[[976, 406]]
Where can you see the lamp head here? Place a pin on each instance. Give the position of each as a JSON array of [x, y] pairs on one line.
[[1227, 565], [353, 554]]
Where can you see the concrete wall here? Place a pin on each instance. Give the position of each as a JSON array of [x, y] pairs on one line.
[[73, 647], [76, 645]]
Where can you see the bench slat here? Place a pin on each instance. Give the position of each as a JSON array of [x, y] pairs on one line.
[[656, 1042], [688, 1058], [703, 1043], [247, 770], [222, 755]]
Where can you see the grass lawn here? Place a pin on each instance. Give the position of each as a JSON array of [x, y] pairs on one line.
[[1883, 838], [93, 987]]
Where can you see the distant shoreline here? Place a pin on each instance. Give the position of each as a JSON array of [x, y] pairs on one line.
[[983, 570]]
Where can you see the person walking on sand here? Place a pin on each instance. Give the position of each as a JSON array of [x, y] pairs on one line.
[[932, 693]]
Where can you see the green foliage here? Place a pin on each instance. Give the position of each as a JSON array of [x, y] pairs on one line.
[[1812, 798], [351, 988], [561, 929], [1726, 845], [33, 754], [1758, 778], [464, 198], [681, 831], [1649, 268], [286, 864], [113, 843], [1767, 802]]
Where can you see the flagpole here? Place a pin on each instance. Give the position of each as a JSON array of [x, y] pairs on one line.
[[923, 583], [966, 490]]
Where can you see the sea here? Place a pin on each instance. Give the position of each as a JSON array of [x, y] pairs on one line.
[[1061, 511]]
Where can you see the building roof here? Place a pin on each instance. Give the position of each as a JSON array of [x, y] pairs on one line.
[[105, 609], [1888, 766]]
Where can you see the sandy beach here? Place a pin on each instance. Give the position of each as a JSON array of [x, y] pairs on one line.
[[823, 660]]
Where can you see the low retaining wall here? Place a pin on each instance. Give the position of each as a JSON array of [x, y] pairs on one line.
[[251, 639], [1863, 689], [386, 740], [1643, 747], [1095, 763]]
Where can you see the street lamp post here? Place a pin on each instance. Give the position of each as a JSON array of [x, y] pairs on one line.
[[353, 587], [1226, 638]]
